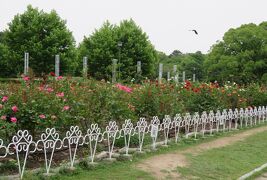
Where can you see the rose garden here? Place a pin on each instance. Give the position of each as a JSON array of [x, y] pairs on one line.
[[115, 108]]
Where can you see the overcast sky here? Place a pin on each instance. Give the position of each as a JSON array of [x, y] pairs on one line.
[[166, 22]]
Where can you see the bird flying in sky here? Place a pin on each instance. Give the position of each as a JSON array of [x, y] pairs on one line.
[[195, 31]]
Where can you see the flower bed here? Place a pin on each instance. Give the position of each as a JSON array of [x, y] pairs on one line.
[[63, 101]]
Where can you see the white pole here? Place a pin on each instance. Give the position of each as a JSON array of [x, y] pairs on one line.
[[85, 68], [57, 64], [160, 71]]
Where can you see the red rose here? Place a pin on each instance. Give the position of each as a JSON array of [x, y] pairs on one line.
[[52, 74]]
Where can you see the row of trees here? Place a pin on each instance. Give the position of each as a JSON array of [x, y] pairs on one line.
[[191, 63], [241, 56], [44, 35]]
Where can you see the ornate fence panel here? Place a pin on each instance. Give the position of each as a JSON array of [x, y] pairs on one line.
[[166, 125], [3, 149], [236, 117], [154, 128], [241, 117], [251, 116], [195, 120], [204, 118], [224, 119], [177, 124], [188, 124], [49, 141], [219, 120], [263, 109], [21, 143], [73, 138], [230, 118], [127, 131], [112, 134], [92, 137], [211, 121], [246, 116], [141, 129]]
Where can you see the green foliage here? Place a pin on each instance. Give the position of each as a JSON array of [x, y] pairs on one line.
[[41, 34], [127, 43], [8, 167], [191, 63], [5, 63], [100, 48], [241, 56], [135, 47], [134, 141]]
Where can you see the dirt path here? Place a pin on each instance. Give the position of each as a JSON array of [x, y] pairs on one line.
[[164, 166], [262, 177]]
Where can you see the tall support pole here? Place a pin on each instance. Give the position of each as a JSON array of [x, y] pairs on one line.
[[26, 63], [114, 70], [160, 71], [194, 75], [85, 68], [183, 76], [57, 64]]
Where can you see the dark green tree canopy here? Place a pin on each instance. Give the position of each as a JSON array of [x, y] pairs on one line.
[[191, 63], [100, 48], [175, 53], [241, 56], [127, 43], [43, 35]]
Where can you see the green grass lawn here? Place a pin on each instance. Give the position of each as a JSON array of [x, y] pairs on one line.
[[229, 162]]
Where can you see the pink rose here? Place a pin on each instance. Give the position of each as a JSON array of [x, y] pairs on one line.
[[59, 77], [5, 99], [41, 88], [26, 78], [42, 116], [66, 108], [3, 117], [15, 109], [13, 119], [124, 88], [50, 90], [60, 94]]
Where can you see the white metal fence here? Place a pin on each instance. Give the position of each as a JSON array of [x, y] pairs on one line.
[[192, 124]]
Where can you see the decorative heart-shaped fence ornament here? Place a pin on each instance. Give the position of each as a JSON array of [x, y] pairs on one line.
[[50, 142], [21, 143], [92, 137]]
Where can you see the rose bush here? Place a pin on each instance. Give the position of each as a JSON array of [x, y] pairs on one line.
[[35, 104]]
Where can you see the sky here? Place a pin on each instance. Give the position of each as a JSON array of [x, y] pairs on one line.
[[166, 22]]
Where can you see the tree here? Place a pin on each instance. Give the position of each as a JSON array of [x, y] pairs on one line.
[[175, 53], [241, 56], [5, 67], [135, 47], [1, 37], [191, 63], [127, 43], [100, 48], [43, 35]]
